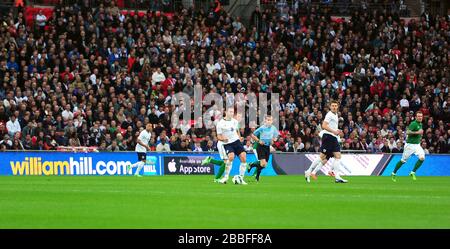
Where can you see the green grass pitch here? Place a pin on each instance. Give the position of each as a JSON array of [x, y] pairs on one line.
[[197, 202]]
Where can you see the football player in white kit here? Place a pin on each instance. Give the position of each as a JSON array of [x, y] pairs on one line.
[[141, 149], [330, 144], [228, 133], [223, 157]]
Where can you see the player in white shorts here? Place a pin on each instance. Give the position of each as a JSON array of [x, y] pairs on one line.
[[414, 136]]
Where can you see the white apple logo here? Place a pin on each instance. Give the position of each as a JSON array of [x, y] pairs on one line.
[[172, 166]]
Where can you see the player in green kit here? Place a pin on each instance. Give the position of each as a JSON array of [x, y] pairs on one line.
[[414, 135]]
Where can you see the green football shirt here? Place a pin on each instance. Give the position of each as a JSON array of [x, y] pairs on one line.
[[414, 139]]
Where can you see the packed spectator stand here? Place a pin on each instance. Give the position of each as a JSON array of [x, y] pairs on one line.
[[93, 76]]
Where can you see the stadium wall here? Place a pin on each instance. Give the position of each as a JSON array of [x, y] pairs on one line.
[[174, 163], [73, 163], [353, 164], [363, 164], [110, 163], [434, 165]]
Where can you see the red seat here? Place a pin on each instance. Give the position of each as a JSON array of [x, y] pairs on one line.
[[120, 3]]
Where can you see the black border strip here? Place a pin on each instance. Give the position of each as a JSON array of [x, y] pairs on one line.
[[242, 238], [391, 156]]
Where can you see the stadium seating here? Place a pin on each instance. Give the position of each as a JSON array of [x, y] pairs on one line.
[[85, 80]]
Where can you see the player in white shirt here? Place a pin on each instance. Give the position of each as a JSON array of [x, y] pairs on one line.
[[228, 133], [141, 148], [223, 157], [330, 145]]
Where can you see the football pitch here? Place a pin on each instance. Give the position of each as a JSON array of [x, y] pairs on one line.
[[197, 202]]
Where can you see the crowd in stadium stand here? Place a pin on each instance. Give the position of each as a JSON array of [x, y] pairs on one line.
[[94, 76]]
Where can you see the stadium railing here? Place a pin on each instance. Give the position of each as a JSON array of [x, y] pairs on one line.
[[152, 5], [77, 149], [5, 7], [341, 8], [95, 149]]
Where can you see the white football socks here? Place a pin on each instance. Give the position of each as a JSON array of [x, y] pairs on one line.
[[313, 166], [140, 165], [336, 168], [242, 169], [318, 167], [134, 164], [227, 170]]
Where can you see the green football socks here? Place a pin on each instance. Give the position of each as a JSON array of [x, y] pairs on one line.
[[417, 165], [221, 165]]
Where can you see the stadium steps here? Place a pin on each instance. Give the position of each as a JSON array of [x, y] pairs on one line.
[[7, 3], [414, 7], [242, 8], [5, 6]]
